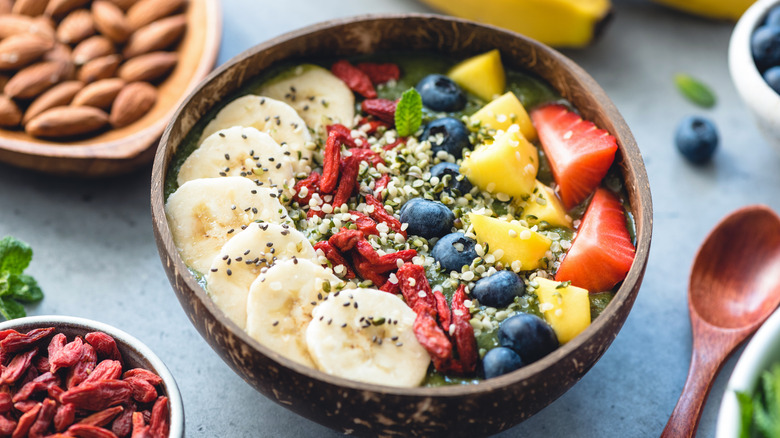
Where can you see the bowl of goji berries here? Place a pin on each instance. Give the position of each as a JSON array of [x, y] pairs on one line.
[[76, 377]]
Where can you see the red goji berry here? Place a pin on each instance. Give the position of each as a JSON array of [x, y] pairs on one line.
[[17, 367], [7, 426], [44, 419], [365, 224], [143, 391], [395, 144], [140, 429], [366, 271], [64, 417], [41, 363], [379, 214], [101, 418], [463, 334], [4, 333], [89, 431], [141, 373], [345, 135], [14, 342], [104, 345], [348, 182], [26, 421], [160, 421], [381, 184], [56, 344], [331, 162], [380, 73], [370, 127], [387, 262], [5, 402], [67, 356], [366, 155], [335, 258], [345, 239], [81, 370], [106, 370], [414, 286], [25, 405], [443, 311], [431, 336], [312, 212], [382, 109], [96, 396], [40, 383], [391, 287], [355, 79], [311, 183]]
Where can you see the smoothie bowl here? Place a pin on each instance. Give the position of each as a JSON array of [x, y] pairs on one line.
[[403, 224]]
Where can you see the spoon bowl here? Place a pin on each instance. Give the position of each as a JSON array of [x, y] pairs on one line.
[[733, 289]]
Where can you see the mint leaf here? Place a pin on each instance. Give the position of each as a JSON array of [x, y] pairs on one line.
[[11, 309], [408, 113], [24, 288], [695, 90], [746, 413], [15, 255]]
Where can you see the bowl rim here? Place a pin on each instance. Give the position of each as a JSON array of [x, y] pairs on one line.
[[625, 295], [172, 389]]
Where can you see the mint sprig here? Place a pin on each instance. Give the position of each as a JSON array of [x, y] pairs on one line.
[[696, 91], [760, 413], [16, 287], [408, 113]]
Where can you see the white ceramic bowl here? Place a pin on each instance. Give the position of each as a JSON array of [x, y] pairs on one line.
[[759, 355], [763, 102]]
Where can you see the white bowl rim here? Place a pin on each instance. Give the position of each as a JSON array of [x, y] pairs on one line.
[[173, 394]]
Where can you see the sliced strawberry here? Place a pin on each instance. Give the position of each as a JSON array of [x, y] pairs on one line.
[[579, 153], [602, 252]]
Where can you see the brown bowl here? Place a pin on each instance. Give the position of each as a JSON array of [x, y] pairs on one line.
[[365, 409]]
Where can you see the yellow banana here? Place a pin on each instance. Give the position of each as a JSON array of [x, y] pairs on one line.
[[561, 23], [718, 9]]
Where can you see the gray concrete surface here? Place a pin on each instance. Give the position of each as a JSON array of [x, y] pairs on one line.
[[95, 255]]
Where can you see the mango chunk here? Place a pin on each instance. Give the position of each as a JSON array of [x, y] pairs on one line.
[[508, 165], [482, 75], [544, 206], [504, 112], [516, 242], [565, 308]]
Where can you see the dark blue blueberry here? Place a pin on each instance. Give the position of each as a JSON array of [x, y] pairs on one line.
[[454, 138], [773, 17], [772, 77], [427, 218], [765, 45], [696, 138], [440, 93], [454, 250], [528, 335], [462, 185], [498, 290], [500, 361]]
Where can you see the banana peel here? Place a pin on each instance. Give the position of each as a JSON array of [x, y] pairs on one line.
[[716, 9], [560, 23]]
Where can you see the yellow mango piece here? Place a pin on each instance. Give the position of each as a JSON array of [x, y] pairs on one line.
[[482, 75], [544, 206], [504, 112], [518, 243], [508, 165], [565, 308]]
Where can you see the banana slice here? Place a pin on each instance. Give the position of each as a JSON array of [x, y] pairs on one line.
[[273, 117], [244, 257], [205, 213], [280, 304], [320, 98], [366, 335], [240, 151]]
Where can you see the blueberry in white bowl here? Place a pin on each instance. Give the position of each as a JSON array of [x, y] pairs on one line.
[[765, 45], [440, 93], [454, 251], [454, 136], [498, 290]]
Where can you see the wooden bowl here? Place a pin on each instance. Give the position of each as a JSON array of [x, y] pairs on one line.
[[131, 147], [364, 409]]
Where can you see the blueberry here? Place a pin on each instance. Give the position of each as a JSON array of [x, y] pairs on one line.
[[454, 250], [765, 45], [440, 93], [500, 361], [773, 17], [426, 218], [456, 181], [454, 134], [528, 335], [696, 138], [498, 290], [772, 77]]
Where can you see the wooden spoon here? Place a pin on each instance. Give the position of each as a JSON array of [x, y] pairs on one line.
[[734, 287]]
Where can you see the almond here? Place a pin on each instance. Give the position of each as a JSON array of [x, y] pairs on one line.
[[10, 114], [148, 67], [110, 21], [12, 24], [144, 12], [66, 121], [3, 80], [76, 26], [58, 95], [100, 94], [157, 35], [5, 7], [99, 68], [132, 102], [58, 8], [33, 8], [21, 49], [91, 48], [123, 4], [35, 79]]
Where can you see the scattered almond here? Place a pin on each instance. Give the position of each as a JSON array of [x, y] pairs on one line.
[[91, 48], [58, 8], [123, 4], [5, 6], [3, 80], [148, 67], [32, 8], [66, 121], [158, 35], [60, 53], [10, 114], [144, 12], [76, 26], [22, 49], [110, 21], [58, 95], [35, 79], [100, 94], [132, 102], [11, 24], [99, 68]]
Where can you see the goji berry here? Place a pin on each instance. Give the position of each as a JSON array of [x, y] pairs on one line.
[[64, 417], [44, 419], [370, 127], [387, 262], [14, 342], [382, 109], [366, 271], [40, 383], [143, 391], [140, 429], [393, 145], [366, 155], [463, 334], [312, 212], [160, 421], [414, 286], [67, 356], [4, 333], [311, 183], [345, 239], [141, 373], [331, 162], [335, 258], [345, 135], [25, 405], [96, 396], [443, 311], [81, 370], [26, 421], [7, 426], [379, 214], [17, 367], [56, 344], [104, 346], [106, 370], [89, 431], [348, 182], [41, 363], [355, 79], [380, 73], [431, 336], [365, 224], [5, 402], [381, 184], [391, 287], [101, 418]]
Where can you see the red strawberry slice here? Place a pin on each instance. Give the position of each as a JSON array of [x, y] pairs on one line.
[[602, 252], [579, 153]]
